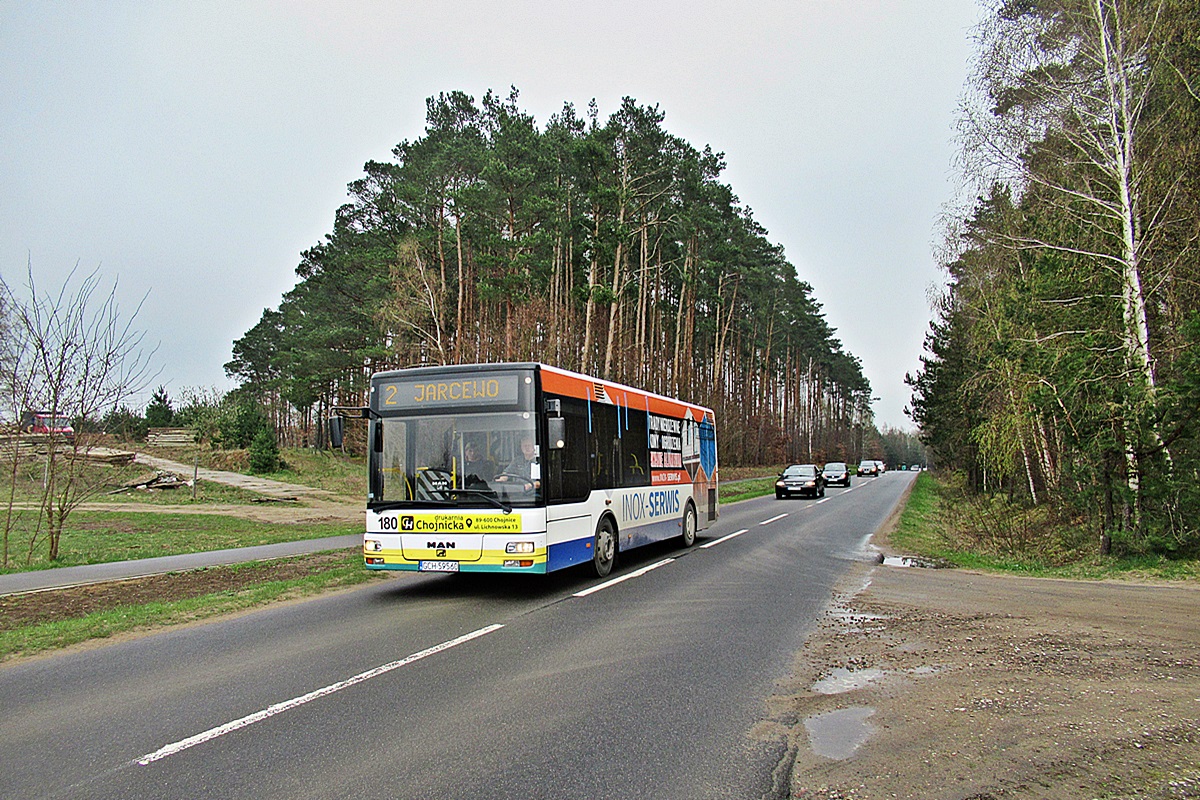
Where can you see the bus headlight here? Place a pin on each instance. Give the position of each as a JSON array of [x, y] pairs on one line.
[[519, 547], [372, 545]]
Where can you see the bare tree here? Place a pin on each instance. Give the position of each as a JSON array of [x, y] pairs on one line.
[[12, 345], [77, 359]]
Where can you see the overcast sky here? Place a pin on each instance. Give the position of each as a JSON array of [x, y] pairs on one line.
[[191, 151]]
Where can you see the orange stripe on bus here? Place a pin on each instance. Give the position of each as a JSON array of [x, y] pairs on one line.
[[571, 385]]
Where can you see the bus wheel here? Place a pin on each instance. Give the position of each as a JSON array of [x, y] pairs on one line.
[[604, 550], [689, 525]]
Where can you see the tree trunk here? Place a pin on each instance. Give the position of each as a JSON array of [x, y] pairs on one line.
[[590, 314]]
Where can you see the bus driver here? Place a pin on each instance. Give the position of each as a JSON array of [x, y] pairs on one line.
[[521, 467]]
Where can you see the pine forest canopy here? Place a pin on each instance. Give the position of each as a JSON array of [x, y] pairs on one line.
[[610, 248]]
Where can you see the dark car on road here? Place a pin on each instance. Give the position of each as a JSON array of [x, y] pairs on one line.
[[867, 467], [836, 472], [800, 479]]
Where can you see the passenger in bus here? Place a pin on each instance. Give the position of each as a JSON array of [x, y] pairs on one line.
[[521, 467], [477, 467]]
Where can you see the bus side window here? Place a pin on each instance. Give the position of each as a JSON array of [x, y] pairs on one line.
[[606, 447], [567, 469], [636, 446]]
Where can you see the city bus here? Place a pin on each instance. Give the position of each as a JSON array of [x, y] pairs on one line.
[[527, 468]]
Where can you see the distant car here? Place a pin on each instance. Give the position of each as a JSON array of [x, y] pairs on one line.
[[881, 467], [868, 468], [45, 422], [836, 472], [800, 479]]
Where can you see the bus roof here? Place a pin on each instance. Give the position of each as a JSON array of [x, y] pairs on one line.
[[571, 384]]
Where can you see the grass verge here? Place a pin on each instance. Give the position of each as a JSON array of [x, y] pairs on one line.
[[747, 489], [36, 623], [983, 533], [98, 537]]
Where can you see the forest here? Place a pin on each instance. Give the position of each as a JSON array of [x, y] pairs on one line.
[[1062, 369], [606, 246]]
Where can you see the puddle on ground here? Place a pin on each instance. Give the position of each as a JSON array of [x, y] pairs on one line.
[[838, 734], [846, 680], [907, 561], [852, 619]]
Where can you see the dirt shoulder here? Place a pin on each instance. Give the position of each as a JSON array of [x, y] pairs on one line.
[[310, 511], [57, 605], [930, 683]]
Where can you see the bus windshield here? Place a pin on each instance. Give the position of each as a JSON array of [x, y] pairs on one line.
[[456, 460]]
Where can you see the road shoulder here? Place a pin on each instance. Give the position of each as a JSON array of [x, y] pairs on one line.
[[950, 683]]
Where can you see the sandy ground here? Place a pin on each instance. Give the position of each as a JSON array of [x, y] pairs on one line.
[[930, 683]]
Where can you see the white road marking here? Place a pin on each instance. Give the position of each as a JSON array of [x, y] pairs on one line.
[[726, 538], [287, 705], [637, 573], [772, 519]]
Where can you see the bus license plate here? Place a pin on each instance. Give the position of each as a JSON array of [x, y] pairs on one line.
[[439, 566]]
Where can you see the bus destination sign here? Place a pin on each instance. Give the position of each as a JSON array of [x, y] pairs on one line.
[[477, 390]]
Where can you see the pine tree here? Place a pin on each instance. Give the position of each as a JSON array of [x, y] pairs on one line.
[[159, 413]]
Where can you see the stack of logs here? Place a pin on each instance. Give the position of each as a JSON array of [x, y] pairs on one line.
[[170, 437], [37, 445]]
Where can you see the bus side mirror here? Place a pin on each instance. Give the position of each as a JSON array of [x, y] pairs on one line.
[[556, 428], [336, 434]]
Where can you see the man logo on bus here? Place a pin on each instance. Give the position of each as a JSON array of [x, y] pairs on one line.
[[408, 524]]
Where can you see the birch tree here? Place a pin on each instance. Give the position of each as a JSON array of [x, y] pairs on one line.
[[1062, 111]]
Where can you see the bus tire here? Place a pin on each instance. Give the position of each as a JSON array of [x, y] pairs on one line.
[[689, 525], [604, 548]]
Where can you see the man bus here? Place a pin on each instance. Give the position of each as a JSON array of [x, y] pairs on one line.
[[527, 468]]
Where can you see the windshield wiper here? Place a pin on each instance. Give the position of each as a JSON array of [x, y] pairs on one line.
[[505, 507], [392, 506], [396, 505]]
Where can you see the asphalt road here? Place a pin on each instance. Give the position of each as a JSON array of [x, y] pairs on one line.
[[460, 686]]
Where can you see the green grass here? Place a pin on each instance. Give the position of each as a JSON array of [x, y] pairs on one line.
[[917, 530], [985, 534], [96, 537], [102, 484], [330, 470], [102, 624], [207, 493], [745, 490], [324, 469], [91, 536]]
